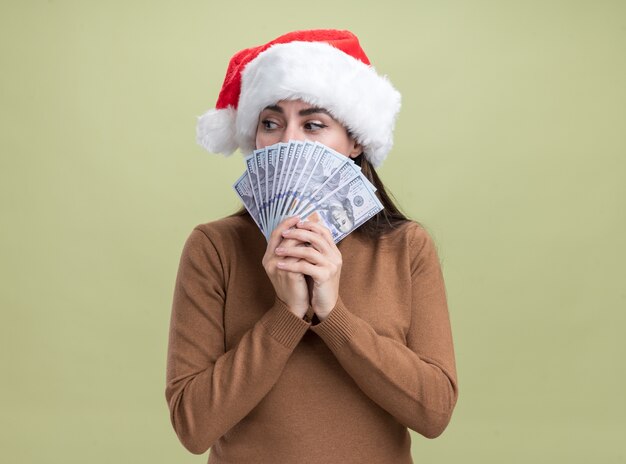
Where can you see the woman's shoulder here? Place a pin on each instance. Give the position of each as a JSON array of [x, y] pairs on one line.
[[230, 230], [412, 240], [233, 225], [407, 233]]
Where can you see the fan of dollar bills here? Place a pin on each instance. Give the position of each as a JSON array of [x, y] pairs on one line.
[[306, 179]]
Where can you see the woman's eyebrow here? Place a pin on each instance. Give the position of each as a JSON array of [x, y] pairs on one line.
[[276, 108], [313, 110]]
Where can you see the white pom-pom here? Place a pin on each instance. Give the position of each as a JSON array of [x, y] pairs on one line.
[[215, 131]]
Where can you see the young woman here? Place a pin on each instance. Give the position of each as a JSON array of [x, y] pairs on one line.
[[297, 349]]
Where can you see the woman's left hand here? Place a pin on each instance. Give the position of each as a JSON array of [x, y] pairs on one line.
[[321, 261]]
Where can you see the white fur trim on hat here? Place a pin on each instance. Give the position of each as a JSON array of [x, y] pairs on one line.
[[320, 74]]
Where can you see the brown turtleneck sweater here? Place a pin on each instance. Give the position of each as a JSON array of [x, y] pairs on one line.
[[257, 384]]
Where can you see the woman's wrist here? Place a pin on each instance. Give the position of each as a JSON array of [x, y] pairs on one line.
[[294, 309], [323, 315], [300, 312]]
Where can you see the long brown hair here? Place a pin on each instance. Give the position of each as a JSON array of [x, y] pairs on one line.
[[388, 219]]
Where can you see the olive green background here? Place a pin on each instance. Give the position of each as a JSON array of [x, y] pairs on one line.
[[510, 148]]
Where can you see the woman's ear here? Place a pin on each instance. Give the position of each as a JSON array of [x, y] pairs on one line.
[[356, 149]]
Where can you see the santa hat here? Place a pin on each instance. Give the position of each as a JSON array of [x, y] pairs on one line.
[[326, 68]]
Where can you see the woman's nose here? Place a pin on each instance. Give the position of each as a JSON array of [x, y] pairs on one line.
[[291, 132]]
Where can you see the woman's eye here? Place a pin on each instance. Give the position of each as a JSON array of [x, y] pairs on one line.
[[313, 126], [269, 125]]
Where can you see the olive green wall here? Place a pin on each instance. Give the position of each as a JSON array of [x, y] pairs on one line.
[[510, 148]]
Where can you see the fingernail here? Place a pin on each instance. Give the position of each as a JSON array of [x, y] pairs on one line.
[[286, 232], [279, 250]]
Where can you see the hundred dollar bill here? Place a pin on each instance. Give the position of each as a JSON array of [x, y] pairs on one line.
[[299, 170], [294, 155], [251, 168], [281, 175], [272, 157], [275, 159], [305, 186], [308, 159], [297, 178], [244, 190], [346, 208], [260, 157], [339, 178], [326, 166]]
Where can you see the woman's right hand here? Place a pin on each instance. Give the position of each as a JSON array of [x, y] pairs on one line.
[[290, 287]]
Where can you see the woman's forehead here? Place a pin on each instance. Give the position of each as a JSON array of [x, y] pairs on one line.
[[303, 107]]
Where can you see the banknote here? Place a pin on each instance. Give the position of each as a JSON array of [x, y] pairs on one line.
[[339, 178], [244, 190], [308, 179], [281, 175], [345, 209], [260, 159], [271, 178], [251, 168], [305, 186], [302, 173], [302, 160], [328, 163], [294, 155]]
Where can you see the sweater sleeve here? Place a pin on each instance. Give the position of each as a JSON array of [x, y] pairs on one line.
[[208, 389], [416, 382]]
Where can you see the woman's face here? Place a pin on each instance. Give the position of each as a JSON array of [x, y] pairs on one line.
[[297, 120]]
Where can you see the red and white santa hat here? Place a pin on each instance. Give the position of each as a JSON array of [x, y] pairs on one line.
[[326, 67]]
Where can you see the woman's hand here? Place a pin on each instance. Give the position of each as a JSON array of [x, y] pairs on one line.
[[321, 260], [290, 287]]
